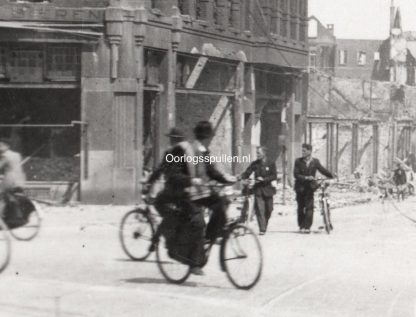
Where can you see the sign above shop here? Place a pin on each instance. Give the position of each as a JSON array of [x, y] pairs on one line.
[[31, 12]]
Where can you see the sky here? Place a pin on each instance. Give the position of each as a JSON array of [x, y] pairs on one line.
[[362, 19]]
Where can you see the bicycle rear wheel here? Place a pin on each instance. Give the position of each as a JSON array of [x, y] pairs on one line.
[[5, 246], [172, 270], [136, 232], [241, 256], [325, 214], [31, 229]]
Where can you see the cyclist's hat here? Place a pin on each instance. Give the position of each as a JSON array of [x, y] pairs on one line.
[[176, 133], [203, 130]]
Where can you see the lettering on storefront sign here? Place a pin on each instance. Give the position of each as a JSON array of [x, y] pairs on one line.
[[52, 13]]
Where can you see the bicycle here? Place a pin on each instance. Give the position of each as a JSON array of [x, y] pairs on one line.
[[22, 216], [324, 204], [5, 246], [233, 247], [247, 208]]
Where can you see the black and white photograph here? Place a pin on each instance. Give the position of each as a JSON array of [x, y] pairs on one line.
[[207, 158]]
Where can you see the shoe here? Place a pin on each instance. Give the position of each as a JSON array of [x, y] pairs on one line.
[[262, 233], [321, 228], [307, 231], [197, 271]]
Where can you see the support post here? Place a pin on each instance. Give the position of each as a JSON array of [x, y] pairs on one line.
[[376, 141], [238, 105]]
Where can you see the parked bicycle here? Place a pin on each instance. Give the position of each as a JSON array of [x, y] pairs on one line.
[[241, 256]]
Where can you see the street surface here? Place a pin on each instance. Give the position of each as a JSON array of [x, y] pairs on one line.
[[75, 267]]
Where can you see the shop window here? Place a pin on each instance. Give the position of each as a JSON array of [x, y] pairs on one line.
[[361, 58], [343, 58], [64, 63], [26, 66]]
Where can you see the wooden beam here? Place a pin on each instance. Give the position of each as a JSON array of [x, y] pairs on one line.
[[196, 72], [75, 85], [205, 92]]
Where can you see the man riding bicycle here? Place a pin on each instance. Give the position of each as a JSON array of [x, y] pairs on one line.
[[186, 186], [13, 175]]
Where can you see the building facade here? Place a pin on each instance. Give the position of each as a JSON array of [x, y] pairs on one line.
[[89, 88], [322, 46]]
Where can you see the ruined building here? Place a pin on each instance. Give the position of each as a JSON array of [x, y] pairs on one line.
[[361, 109], [88, 88]]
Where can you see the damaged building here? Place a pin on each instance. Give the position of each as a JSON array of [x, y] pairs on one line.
[[361, 111], [88, 88]]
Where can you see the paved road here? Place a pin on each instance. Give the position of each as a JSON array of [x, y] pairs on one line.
[[367, 267]]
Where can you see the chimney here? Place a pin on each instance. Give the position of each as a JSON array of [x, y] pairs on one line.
[[330, 28]]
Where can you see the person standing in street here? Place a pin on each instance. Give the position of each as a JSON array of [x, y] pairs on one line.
[[305, 186], [265, 173]]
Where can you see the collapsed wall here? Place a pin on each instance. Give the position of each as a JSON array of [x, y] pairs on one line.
[[345, 102]]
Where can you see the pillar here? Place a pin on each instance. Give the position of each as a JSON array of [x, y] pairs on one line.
[[376, 140], [238, 117]]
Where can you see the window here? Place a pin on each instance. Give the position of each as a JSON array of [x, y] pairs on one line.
[[361, 58], [312, 60], [313, 28], [2, 62], [26, 65], [376, 56], [293, 7], [343, 57], [64, 62]]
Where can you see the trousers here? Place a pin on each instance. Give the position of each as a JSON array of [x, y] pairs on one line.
[[264, 208], [305, 201]]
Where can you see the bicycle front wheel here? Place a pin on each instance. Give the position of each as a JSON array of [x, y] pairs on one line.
[[5, 246], [241, 256], [325, 214], [170, 265], [31, 229], [136, 232]]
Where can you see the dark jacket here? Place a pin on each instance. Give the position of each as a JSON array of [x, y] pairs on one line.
[[301, 170], [399, 177], [177, 175], [268, 172]]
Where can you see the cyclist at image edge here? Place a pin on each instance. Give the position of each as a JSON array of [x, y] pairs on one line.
[[12, 171], [305, 186]]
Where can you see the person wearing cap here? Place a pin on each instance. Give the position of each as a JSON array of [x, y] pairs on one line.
[[185, 185], [177, 180], [265, 173], [11, 168]]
